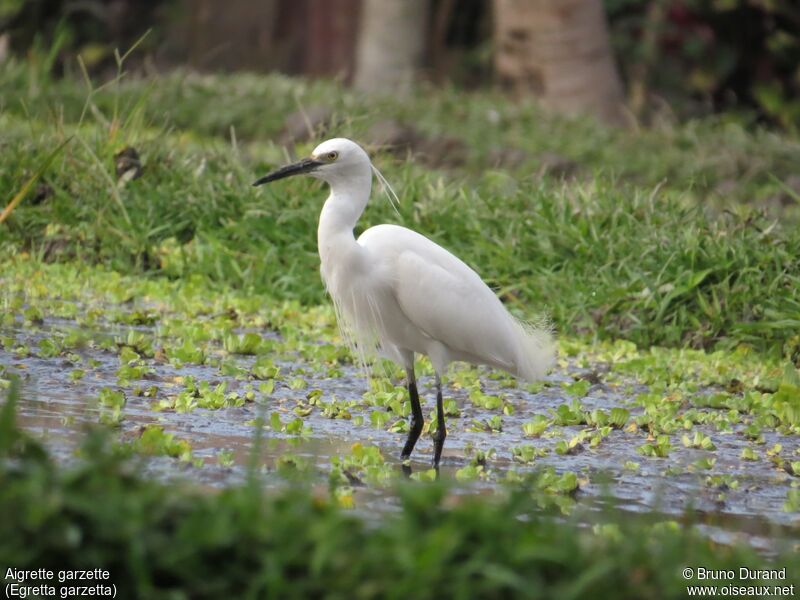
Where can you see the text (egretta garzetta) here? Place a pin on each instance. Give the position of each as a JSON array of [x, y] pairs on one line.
[[398, 293]]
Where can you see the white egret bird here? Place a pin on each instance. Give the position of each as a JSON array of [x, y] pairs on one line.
[[398, 293]]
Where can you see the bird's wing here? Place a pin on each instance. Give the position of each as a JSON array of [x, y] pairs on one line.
[[450, 303], [447, 301]]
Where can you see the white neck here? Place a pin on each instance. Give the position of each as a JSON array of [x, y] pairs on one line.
[[335, 240]]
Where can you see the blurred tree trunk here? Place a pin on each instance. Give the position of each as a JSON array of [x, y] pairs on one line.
[[331, 37], [391, 44], [231, 34], [559, 51]]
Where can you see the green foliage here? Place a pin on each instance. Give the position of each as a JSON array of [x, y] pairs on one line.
[[527, 454], [577, 388], [188, 352], [732, 54], [245, 343], [362, 464], [748, 454], [659, 448], [569, 415], [111, 402], [265, 368], [154, 441], [565, 483], [536, 427], [486, 401], [571, 446], [618, 417], [699, 441]]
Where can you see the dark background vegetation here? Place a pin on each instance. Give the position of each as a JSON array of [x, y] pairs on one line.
[[678, 58]]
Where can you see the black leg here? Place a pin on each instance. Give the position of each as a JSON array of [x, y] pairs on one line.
[[417, 419], [441, 432]]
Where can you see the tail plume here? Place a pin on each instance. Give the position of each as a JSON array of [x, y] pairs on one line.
[[536, 349]]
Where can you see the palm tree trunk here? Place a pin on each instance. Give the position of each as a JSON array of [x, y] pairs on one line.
[[559, 51], [391, 45]]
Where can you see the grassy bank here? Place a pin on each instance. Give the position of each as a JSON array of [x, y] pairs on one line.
[[660, 237]]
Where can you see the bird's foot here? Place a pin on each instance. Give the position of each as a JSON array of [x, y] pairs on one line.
[[405, 466], [435, 467]]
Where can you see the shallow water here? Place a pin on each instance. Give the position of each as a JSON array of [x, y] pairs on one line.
[[57, 409]]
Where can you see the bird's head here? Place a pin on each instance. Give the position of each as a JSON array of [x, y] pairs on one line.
[[333, 159]]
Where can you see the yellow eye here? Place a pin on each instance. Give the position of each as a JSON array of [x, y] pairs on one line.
[[332, 156]]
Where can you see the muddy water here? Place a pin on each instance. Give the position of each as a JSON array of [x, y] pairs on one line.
[[57, 409]]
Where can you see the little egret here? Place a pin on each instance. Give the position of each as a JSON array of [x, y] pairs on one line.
[[398, 293]]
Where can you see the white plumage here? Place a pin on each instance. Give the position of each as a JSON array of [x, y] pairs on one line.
[[399, 293]]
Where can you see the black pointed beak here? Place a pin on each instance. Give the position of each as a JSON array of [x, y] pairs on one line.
[[307, 165]]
